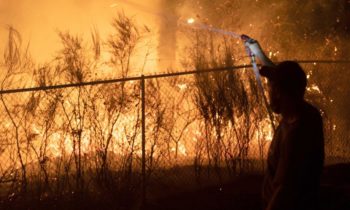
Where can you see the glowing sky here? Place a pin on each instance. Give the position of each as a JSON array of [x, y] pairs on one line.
[[38, 21]]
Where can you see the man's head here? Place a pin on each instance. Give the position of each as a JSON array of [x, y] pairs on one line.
[[287, 83]]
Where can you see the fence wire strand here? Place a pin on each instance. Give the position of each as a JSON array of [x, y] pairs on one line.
[[171, 129]]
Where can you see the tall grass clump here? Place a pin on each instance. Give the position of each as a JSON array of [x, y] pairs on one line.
[[229, 104], [78, 141]]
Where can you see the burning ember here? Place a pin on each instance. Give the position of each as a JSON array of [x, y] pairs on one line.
[[190, 20]]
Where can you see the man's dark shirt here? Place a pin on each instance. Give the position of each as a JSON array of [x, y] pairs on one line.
[[295, 162]]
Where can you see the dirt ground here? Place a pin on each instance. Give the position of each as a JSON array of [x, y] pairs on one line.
[[244, 194]]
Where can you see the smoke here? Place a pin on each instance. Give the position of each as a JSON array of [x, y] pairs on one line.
[[274, 23], [279, 25], [40, 21]]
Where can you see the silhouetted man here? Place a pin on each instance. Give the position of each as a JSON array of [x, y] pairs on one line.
[[296, 154]]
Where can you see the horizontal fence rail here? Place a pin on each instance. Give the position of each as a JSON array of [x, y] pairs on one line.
[[99, 82]]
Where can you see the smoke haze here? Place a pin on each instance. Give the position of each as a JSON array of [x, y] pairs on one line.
[[39, 21]]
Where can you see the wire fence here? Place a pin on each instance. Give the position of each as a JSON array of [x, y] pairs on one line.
[[135, 136]]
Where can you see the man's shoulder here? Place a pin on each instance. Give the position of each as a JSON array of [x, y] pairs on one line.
[[311, 123], [310, 113]]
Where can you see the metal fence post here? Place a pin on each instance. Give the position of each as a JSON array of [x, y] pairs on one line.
[[143, 119]]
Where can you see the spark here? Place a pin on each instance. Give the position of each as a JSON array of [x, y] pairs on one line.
[[327, 41], [190, 20], [182, 86], [270, 54], [273, 54], [182, 150], [315, 88]]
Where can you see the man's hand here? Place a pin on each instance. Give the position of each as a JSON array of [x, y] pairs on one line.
[[252, 45], [256, 50]]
